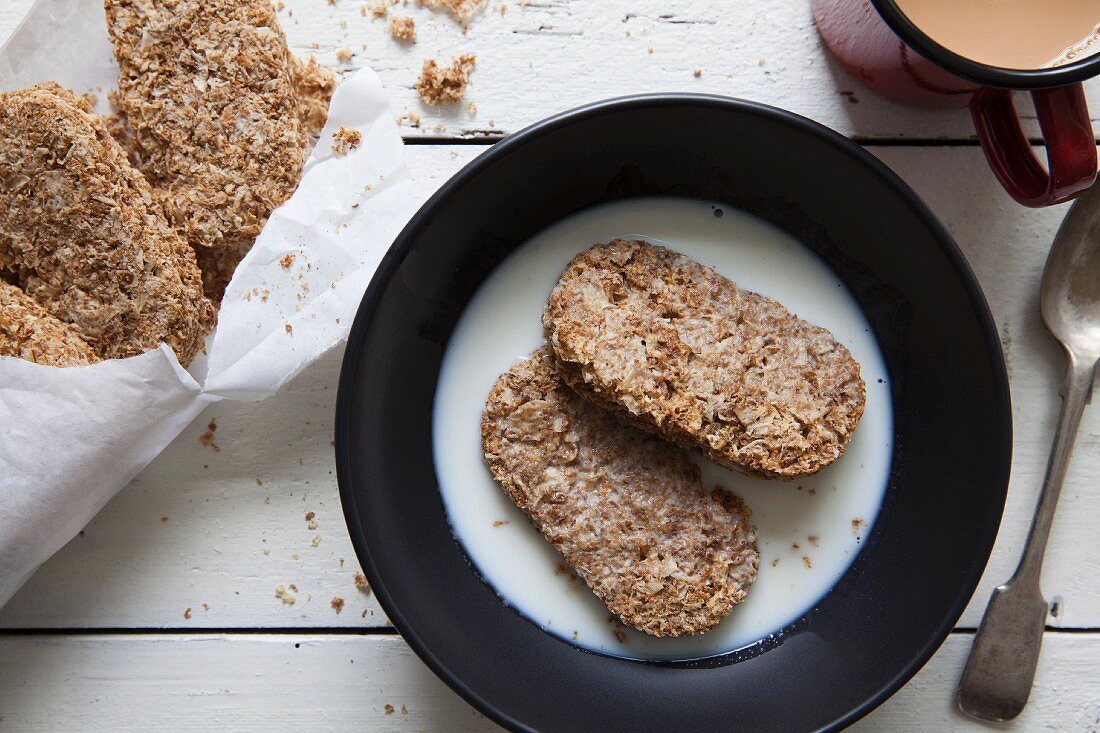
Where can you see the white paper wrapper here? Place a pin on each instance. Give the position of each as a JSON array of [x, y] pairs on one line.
[[71, 438]]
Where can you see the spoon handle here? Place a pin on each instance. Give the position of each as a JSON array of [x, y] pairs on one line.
[[996, 682]]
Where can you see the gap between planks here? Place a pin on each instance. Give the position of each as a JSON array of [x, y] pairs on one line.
[[490, 140], [320, 631]]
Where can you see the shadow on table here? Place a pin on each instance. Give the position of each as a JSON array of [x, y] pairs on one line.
[[214, 523]]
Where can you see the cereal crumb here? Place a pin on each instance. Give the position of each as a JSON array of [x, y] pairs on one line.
[[806, 561], [344, 55], [286, 261], [315, 541], [378, 10], [345, 140], [288, 328], [775, 563], [499, 522], [207, 438], [460, 10], [403, 29], [697, 73], [337, 604], [361, 582], [205, 607], [187, 613], [471, 108], [284, 595], [857, 525], [164, 519], [813, 540], [620, 636], [388, 709], [311, 520], [445, 85]]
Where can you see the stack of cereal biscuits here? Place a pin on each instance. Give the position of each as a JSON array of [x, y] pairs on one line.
[[111, 245], [649, 354]]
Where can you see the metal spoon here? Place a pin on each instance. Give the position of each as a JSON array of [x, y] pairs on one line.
[[997, 680]]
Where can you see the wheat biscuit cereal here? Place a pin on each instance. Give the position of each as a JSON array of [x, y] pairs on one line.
[[219, 113], [627, 510], [81, 233], [28, 331], [680, 350]]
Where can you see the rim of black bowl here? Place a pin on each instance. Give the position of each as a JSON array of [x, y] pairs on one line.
[[392, 259], [993, 76]]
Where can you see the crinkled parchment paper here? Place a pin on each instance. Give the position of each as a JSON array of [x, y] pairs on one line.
[[71, 438]]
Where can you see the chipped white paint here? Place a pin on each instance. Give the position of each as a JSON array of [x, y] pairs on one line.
[[543, 56], [322, 682], [224, 509]]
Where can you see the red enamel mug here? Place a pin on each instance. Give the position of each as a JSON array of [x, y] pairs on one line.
[[884, 50]]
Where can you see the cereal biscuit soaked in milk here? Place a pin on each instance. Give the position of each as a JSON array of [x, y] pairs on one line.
[[627, 510], [680, 350]]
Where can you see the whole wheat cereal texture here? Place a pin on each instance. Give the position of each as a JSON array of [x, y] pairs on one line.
[[680, 350], [81, 233], [445, 84], [219, 113], [314, 86], [28, 331], [627, 510]]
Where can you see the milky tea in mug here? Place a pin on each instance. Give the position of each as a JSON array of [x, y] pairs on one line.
[[1011, 34]]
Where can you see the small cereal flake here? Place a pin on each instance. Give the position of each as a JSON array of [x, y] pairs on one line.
[[403, 29], [345, 140], [284, 595], [445, 85]]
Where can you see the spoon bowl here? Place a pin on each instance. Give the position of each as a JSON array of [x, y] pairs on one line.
[[1070, 297]]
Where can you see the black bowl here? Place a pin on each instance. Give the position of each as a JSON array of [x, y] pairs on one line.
[[949, 472]]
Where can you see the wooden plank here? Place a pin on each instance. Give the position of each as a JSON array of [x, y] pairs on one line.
[[131, 569], [543, 56], [1007, 245], [326, 682]]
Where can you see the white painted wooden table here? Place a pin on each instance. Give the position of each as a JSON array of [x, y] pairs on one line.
[[162, 614]]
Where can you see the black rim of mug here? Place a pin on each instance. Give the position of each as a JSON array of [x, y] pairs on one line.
[[992, 76]]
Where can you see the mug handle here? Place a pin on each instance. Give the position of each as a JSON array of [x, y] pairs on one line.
[[1067, 132]]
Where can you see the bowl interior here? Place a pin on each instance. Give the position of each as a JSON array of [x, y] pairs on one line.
[[951, 419]]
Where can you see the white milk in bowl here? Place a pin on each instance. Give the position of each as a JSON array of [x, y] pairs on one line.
[[809, 529]]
